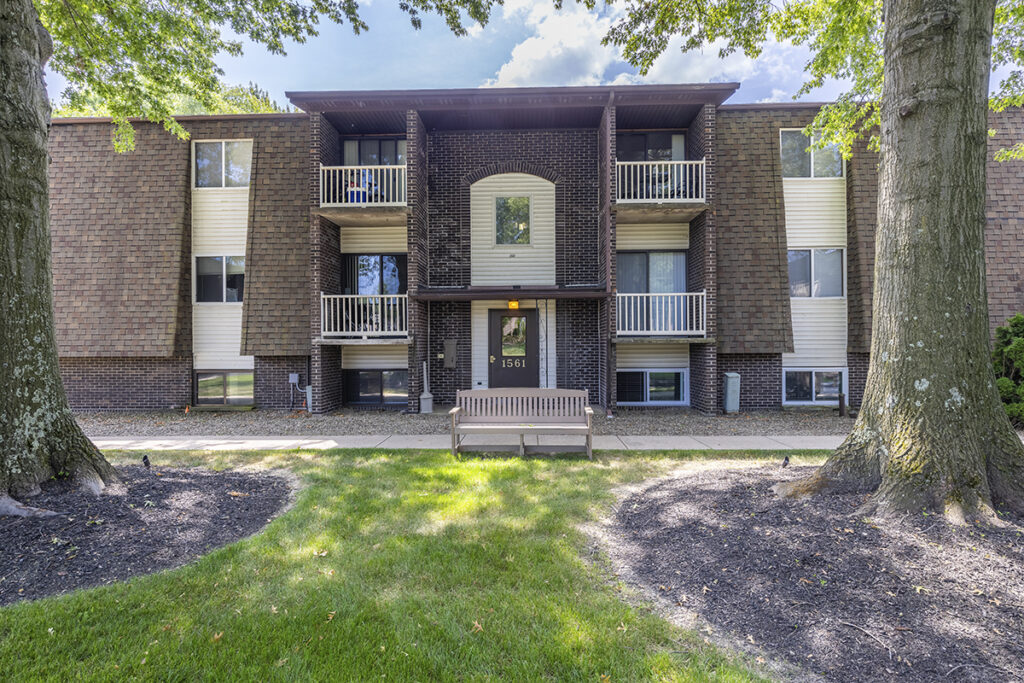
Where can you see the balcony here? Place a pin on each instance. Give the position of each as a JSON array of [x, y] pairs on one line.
[[661, 315], [363, 195], [364, 317], [659, 191]]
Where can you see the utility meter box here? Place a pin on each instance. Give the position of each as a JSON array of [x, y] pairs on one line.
[[731, 392]]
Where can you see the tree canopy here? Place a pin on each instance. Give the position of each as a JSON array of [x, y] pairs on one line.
[[845, 42]]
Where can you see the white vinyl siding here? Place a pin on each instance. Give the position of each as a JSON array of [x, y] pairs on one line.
[[644, 356], [819, 333], [220, 220], [217, 337], [532, 264], [815, 212], [377, 239], [375, 357], [652, 237], [545, 342]]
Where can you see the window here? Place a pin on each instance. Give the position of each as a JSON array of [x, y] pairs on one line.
[[652, 387], [223, 164], [800, 162], [223, 388], [512, 220], [656, 146], [220, 278], [374, 152], [652, 272], [376, 387], [371, 274], [812, 385], [816, 272], [513, 335]]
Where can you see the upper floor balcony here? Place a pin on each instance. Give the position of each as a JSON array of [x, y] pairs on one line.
[[364, 317], [660, 190], [363, 195]]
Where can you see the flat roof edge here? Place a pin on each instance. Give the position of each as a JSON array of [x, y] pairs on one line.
[[69, 120]]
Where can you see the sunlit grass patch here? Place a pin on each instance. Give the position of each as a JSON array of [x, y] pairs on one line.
[[408, 565]]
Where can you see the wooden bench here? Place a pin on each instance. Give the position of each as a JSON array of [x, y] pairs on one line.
[[522, 411]]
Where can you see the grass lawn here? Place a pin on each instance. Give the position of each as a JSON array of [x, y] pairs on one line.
[[407, 565]]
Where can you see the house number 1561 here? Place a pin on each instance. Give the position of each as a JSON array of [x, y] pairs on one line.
[[513, 363]]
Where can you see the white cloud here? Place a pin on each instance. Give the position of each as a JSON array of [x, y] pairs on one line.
[[778, 95]]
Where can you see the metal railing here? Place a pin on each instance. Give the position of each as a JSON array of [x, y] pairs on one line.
[[362, 186], [659, 181], [358, 315], [677, 314]]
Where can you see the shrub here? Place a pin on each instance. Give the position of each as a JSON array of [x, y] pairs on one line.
[[1008, 360]]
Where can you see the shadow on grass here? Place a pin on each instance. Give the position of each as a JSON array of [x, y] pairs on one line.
[[412, 565]]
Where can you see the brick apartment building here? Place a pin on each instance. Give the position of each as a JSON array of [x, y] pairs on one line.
[[634, 241]]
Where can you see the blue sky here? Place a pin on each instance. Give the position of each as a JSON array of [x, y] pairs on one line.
[[527, 43]]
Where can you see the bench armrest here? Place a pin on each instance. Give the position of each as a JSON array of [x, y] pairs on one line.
[[454, 411], [589, 411]]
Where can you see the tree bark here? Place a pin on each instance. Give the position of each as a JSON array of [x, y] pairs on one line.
[[931, 433], [38, 434]]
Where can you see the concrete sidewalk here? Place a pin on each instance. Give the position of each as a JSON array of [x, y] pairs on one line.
[[443, 441]]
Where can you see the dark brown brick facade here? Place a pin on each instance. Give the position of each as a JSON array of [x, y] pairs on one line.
[[861, 217], [578, 343], [270, 382], [136, 383], [760, 378], [857, 366], [449, 320]]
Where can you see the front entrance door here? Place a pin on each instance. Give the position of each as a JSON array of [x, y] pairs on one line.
[[513, 349]]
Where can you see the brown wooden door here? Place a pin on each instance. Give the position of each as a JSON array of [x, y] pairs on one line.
[[513, 349]]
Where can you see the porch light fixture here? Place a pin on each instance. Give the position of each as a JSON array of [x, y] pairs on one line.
[[513, 305]]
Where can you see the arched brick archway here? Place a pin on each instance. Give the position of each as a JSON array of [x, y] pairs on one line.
[[511, 167]]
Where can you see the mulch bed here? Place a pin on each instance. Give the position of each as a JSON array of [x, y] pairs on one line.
[[162, 518], [812, 584]]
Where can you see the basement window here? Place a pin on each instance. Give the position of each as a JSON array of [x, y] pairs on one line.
[[376, 387], [216, 387], [810, 386], [654, 387]]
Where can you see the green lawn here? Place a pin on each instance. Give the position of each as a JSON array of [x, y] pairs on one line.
[[395, 565]]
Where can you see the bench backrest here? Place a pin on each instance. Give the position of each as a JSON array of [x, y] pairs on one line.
[[541, 406]]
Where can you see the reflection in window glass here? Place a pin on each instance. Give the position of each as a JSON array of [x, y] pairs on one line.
[[513, 335], [659, 147], [798, 385], [209, 164], [392, 275], [828, 272], [828, 163], [512, 219], [395, 385], [209, 278], [209, 388], [235, 277], [796, 160], [799, 272], [369, 387], [827, 386], [664, 386], [239, 388], [237, 162]]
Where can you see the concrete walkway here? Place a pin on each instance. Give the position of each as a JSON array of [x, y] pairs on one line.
[[443, 441]]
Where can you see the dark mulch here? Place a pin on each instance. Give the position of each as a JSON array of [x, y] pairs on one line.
[[162, 518], [842, 597]]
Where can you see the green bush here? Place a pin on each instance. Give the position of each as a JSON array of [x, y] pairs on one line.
[[1008, 360]]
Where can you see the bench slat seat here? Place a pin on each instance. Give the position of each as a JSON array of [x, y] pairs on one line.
[[522, 411]]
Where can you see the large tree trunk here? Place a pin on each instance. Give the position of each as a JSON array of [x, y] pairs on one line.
[[38, 434], [931, 432]]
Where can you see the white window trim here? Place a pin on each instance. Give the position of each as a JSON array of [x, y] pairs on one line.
[[685, 395], [812, 176], [812, 250], [494, 220], [845, 386], [223, 282], [223, 162]]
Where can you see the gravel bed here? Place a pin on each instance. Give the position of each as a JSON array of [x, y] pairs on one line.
[[812, 584], [627, 422]]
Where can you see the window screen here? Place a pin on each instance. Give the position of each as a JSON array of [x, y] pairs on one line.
[[799, 272], [828, 272], [209, 278], [796, 160], [630, 387]]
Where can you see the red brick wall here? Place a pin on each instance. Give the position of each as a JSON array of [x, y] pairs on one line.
[[127, 383]]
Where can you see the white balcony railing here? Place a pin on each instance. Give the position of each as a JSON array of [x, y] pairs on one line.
[[357, 315], [682, 314], [360, 186], [659, 181]]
